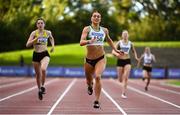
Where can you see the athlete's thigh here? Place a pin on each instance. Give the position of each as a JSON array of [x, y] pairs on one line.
[[89, 70], [145, 74], [100, 66], [45, 62], [119, 73], [120, 70], [36, 66], [149, 74], [127, 69]]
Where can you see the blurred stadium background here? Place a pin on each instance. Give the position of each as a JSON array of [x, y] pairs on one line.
[[154, 23]]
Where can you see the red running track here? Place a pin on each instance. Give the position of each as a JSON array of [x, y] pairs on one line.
[[69, 96]]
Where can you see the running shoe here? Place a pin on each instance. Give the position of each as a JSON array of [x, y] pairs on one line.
[[40, 95], [90, 90], [123, 96], [96, 104], [43, 90], [143, 78]]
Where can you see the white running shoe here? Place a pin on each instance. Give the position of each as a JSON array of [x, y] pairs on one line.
[[123, 96]]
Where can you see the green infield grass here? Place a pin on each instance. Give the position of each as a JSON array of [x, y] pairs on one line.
[[173, 82], [71, 54]]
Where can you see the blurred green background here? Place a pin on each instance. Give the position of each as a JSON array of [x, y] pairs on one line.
[[154, 23], [146, 20]]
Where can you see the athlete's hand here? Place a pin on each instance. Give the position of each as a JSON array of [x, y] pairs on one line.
[[35, 39], [121, 53], [93, 40]]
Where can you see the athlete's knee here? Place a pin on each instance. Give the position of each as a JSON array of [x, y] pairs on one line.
[[38, 75], [98, 78], [43, 70]]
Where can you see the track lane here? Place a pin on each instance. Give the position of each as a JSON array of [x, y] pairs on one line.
[[77, 101], [10, 89], [158, 92], [9, 80], [137, 103], [28, 103]]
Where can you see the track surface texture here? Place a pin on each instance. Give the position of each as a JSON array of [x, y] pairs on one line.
[[68, 96]]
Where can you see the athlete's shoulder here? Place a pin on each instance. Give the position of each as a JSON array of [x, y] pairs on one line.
[[130, 42], [143, 55], [104, 28], [87, 28], [47, 31], [33, 33]]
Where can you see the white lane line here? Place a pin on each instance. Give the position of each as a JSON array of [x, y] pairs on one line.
[[160, 88], [114, 102], [7, 80], [61, 97], [17, 83], [149, 95], [25, 91]]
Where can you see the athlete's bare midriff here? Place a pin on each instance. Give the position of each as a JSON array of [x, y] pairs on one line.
[[95, 51], [40, 48], [148, 65], [125, 56]]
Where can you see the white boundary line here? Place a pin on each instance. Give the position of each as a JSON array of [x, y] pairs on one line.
[[160, 88], [16, 83], [114, 102], [24, 91], [61, 97], [149, 95]]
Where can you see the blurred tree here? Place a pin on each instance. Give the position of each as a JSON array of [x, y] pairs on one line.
[[145, 19], [163, 18]]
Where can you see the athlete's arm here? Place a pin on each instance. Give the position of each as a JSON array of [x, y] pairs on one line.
[[84, 34], [51, 38], [118, 55], [115, 53], [109, 41], [134, 52], [31, 39], [139, 61], [153, 57]]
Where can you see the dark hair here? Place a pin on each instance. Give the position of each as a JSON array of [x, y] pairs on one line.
[[40, 19], [95, 11]]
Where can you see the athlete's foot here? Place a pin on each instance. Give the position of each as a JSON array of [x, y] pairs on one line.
[[90, 90], [143, 78], [43, 90], [40, 95], [123, 96], [96, 104], [146, 88]]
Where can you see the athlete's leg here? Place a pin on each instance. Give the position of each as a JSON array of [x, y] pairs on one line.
[[145, 74], [44, 65], [119, 73], [148, 80], [37, 73], [37, 68], [125, 76], [99, 68], [89, 70], [89, 77]]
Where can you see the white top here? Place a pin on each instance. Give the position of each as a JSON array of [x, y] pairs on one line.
[[125, 47], [99, 35], [148, 59]]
